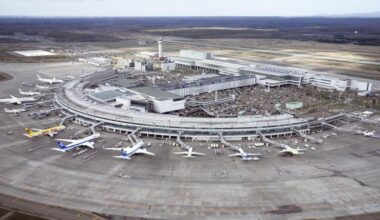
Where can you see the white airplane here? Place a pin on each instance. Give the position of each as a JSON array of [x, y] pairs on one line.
[[18, 101], [368, 134], [70, 77], [50, 81], [292, 151], [127, 152], [189, 153], [14, 111], [245, 156], [42, 87], [30, 93], [87, 142]]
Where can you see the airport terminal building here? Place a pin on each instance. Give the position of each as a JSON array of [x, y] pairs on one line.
[[74, 100], [267, 75], [125, 105]]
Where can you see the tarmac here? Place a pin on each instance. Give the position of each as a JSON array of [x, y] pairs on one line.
[[340, 178]]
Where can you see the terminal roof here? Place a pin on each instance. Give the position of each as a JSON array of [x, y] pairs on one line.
[[124, 82], [156, 93], [106, 96]]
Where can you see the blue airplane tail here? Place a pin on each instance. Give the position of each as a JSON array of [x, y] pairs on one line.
[[61, 145], [123, 153]]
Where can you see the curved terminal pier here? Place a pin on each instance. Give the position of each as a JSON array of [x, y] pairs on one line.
[[72, 100]]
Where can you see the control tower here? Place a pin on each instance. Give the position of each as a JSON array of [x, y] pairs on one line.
[[160, 47]]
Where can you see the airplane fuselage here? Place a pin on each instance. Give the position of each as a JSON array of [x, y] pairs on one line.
[[30, 93], [77, 143], [42, 87], [369, 134], [14, 111], [80, 142], [50, 81], [49, 131], [19, 101], [128, 152], [292, 151]]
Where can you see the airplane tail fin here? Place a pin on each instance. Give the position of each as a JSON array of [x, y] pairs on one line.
[[38, 76], [29, 131], [5, 109], [20, 90], [61, 145]]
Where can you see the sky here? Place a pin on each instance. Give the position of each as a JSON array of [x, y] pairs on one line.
[[132, 8]]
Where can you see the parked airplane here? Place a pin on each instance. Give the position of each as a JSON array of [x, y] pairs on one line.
[[30, 93], [43, 113], [28, 84], [127, 152], [245, 156], [42, 87], [18, 101], [35, 132], [70, 77], [368, 134], [15, 111], [50, 81], [291, 151], [87, 142], [189, 153]]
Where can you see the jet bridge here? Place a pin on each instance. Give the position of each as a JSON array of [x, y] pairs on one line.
[[94, 126], [366, 120], [223, 141], [313, 139], [132, 137], [65, 118], [339, 129], [92, 129], [272, 142], [181, 143]]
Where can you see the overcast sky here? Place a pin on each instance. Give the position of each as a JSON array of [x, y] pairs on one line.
[[186, 7]]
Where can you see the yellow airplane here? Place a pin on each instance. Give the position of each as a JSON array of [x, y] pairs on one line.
[[34, 132]]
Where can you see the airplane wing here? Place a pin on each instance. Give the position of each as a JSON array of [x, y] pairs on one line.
[[66, 140], [144, 151], [122, 157], [234, 155], [51, 134], [113, 148], [249, 158], [117, 149], [180, 153], [27, 135], [89, 144], [197, 153], [253, 155], [59, 149]]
